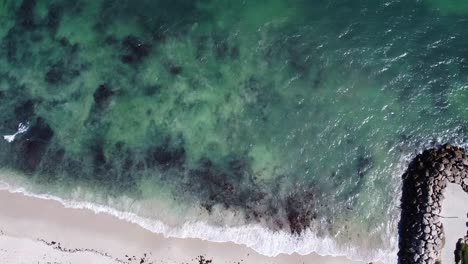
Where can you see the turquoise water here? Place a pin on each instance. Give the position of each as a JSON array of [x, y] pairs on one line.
[[294, 115]]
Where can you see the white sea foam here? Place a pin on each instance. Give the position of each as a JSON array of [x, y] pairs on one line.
[[21, 129], [253, 236]]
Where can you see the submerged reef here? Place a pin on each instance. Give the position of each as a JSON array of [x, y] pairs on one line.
[[421, 235]]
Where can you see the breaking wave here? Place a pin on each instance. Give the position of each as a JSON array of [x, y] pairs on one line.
[[254, 236]]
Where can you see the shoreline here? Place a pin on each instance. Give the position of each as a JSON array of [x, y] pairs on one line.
[[107, 238]]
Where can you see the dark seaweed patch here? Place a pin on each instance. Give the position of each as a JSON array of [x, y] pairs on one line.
[[102, 170], [34, 147], [56, 74], [60, 74], [25, 110], [64, 42], [99, 159], [166, 156], [152, 89], [11, 46], [235, 52], [135, 49], [16, 45], [25, 14], [102, 98], [217, 185], [299, 210], [102, 95], [118, 168], [175, 69], [65, 70], [240, 168], [53, 18], [52, 162], [232, 187]]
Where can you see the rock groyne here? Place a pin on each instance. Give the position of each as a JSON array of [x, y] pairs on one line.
[[421, 235]]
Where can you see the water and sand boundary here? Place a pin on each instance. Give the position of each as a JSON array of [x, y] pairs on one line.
[[36, 228], [43, 230]]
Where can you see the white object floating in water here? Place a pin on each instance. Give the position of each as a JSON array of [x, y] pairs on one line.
[[21, 129]]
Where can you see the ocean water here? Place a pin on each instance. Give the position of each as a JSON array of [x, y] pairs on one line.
[[245, 121]]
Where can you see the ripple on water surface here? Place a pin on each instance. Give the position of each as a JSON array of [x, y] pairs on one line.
[[287, 114]]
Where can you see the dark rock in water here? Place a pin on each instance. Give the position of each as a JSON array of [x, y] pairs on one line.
[[25, 14], [135, 50], [102, 95], [38, 137]]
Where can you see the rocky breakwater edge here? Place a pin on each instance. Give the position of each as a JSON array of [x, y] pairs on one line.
[[421, 233]]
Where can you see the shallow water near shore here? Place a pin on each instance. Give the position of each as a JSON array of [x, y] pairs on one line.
[[292, 116]]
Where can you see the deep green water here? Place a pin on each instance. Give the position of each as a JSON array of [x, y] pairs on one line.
[[285, 113]]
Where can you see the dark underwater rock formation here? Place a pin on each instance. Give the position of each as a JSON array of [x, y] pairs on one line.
[[421, 233]]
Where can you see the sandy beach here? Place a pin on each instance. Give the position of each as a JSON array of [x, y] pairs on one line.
[[454, 218], [35, 230]]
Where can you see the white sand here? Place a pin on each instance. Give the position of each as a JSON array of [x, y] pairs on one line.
[[454, 211], [24, 220]]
